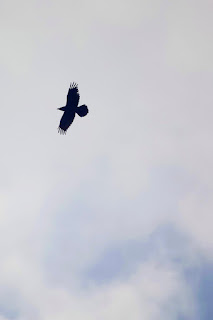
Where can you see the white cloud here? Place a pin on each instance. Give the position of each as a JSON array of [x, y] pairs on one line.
[[189, 36], [17, 50], [153, 292], [196, 219]]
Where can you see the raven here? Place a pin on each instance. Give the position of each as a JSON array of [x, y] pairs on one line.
[[71, 109]]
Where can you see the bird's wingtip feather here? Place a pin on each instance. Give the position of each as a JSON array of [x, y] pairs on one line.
[[61, 131], [73, 85]]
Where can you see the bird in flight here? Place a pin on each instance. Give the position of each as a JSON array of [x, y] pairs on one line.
[[71, 109]]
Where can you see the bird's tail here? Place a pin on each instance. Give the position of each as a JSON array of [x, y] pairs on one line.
[[82, 110]]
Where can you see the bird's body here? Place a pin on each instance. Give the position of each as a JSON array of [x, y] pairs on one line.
[[71, 109]]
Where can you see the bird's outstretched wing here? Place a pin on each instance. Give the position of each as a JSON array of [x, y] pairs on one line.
[[66, 121], [82, 110], [73, 95]]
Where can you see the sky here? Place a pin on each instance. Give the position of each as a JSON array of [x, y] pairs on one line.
[[114, 220]]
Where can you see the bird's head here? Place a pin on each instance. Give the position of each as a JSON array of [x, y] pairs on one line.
[[62, 108]]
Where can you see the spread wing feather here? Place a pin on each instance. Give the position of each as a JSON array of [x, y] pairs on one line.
[[66, 121], [73, 95]]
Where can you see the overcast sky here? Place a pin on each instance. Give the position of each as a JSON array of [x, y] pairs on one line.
[[114, 220]]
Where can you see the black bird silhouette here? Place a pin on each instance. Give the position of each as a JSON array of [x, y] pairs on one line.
[[71, 109]]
